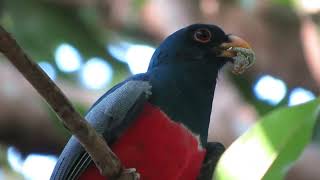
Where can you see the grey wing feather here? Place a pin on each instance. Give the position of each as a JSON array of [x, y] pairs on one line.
[[110, 117]]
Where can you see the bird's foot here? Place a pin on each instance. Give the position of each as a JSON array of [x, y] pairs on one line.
[[130, 173], [214, 151]]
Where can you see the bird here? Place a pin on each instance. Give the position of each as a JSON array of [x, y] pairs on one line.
[[157, 122]]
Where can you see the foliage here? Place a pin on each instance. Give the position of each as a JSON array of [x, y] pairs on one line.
[[270, 147]]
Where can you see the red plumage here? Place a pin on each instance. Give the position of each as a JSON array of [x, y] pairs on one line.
[[157, 147]]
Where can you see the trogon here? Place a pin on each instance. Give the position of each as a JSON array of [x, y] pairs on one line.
[[157, 122]]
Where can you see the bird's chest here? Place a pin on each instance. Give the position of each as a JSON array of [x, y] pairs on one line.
[[160, 148]]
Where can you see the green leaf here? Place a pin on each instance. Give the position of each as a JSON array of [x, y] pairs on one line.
[[270, 147]]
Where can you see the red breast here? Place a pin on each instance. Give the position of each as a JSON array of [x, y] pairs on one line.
[[157, 147]]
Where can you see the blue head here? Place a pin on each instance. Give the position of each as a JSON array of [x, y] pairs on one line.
[[195, 53], [198, 44]]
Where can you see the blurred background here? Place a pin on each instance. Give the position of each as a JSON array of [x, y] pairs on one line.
[[87, 46]]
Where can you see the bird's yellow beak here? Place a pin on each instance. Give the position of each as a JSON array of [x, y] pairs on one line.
[[235, 41], [240, 51]]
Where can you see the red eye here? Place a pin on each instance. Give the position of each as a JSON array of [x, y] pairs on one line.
[[202, 35]]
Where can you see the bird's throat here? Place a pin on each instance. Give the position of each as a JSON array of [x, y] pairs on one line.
[[184, 99]]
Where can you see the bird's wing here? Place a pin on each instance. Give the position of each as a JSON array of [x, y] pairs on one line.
[[110, 116]]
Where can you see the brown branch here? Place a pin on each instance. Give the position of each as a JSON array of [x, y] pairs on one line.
[[107, 162]]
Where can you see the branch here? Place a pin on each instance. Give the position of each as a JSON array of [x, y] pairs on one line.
[[107, 162]]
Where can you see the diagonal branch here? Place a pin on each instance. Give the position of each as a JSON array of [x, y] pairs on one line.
[[107, 162]]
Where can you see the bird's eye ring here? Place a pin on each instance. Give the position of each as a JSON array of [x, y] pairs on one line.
[[202, 35]]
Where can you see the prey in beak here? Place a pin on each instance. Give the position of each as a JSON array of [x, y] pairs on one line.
[[241, 53]]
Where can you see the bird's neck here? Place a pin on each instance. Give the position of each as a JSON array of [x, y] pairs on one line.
[[185, 97]]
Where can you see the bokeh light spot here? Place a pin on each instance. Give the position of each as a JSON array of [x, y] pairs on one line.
[[14, 159], [300, 95], [1, 174], [34, 167], [119, 50], [49, 69], [270, 89], [309, 6], [68, 58], [38, 167], [138, 58], [96, 73]]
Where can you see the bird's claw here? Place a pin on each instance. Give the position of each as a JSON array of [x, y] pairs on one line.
[[132, 172], [244, 59]]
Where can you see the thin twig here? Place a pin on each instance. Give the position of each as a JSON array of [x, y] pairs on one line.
[[107, 162]]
